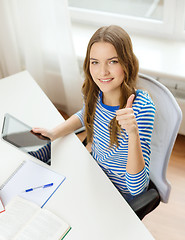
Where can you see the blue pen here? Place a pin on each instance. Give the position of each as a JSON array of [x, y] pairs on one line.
[[43, 186]]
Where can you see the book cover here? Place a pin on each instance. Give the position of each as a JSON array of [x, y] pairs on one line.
[[2, 208]]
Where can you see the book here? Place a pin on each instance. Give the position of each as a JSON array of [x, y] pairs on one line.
[[2, 208], [31, 175], [26, 220]]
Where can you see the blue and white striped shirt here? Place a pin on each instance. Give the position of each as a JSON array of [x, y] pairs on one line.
[[43, 154], [113, 160]]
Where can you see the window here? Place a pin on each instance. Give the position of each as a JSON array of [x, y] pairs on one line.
[[142, 8], [154, 17]]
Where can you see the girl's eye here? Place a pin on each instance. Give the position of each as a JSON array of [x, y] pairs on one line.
[[94, 62], [113, 61]]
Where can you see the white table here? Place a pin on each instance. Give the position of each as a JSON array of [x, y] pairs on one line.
[[87, 199]]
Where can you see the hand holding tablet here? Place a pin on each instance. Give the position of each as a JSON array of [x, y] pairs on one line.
[[21, 136]]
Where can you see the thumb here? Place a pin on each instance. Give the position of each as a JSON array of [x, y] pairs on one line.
[[130, 101]]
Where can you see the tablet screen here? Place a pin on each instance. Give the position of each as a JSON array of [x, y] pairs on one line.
[[21, 136]]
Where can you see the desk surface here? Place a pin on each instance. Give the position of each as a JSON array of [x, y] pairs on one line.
[[87, 200]]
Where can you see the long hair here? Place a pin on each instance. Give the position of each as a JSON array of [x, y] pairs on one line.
[[121, 41]]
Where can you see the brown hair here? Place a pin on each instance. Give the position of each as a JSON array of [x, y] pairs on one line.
[[123, 45]]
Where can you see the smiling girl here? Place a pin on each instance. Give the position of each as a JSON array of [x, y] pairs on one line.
[[118, 117]]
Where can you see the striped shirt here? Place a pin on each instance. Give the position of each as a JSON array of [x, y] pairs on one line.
[[43, 154], [113, 160]]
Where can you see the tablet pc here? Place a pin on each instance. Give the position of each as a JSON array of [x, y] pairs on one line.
[[21, 136]]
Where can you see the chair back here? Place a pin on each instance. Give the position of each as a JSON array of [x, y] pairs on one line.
[[166, 125]]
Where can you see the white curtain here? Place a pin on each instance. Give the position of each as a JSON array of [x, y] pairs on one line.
[[36, 36]]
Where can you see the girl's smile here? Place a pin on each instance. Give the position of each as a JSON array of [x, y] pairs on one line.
[[106, 80]]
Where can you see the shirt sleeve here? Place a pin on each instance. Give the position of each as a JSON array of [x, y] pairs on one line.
[[136, 183], [44, 153], [80, 115]]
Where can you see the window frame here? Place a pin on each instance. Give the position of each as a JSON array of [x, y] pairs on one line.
[[171, 26]]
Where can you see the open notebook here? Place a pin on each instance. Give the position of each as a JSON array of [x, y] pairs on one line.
[[30, 175], [25, 220]]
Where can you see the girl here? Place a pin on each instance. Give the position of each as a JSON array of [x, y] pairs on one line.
[[117, 116]]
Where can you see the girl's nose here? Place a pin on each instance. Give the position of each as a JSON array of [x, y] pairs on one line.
[[104, 70]]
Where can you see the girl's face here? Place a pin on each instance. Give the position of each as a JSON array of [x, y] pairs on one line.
[[105, 69]]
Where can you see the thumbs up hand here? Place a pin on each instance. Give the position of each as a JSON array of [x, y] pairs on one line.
[[126, 117]]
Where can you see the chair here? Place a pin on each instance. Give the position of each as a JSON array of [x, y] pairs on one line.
[[166, 125]]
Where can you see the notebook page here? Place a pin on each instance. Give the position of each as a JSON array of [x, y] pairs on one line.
[[32, 175], [10, 166], [15, 216], [44, 226]]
